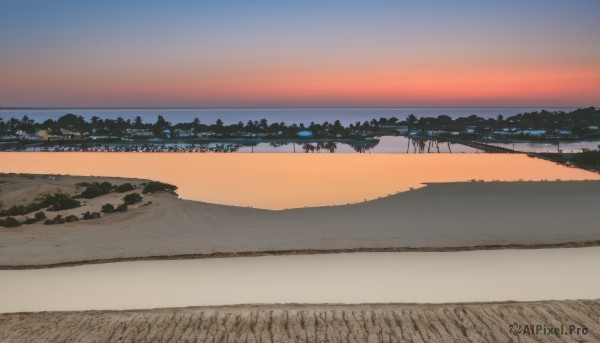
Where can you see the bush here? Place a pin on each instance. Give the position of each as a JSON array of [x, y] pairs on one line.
[[108, 208], [71, 218], [126, 187], [121, 208], [91, 215], [29, 220], [60, 201], [58, 220], [39, 216], [155, 186], [11, 222], [132, 198], [48, 222], [96, 189]]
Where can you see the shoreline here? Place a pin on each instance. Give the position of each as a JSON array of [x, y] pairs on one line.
[[215, 255]]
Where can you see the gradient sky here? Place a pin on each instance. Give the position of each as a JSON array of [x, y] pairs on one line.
[[299, 53]]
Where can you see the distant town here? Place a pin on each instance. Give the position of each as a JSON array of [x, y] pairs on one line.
[[72, 130]]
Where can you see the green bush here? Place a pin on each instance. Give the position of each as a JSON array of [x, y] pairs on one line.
[[60, 201], [91, 215], [11, 222], [108, 208], [121, 208], [156, 186], [126, 187], [132, 198], [71, 218], [40, 216], [58, 220], [96, 189]]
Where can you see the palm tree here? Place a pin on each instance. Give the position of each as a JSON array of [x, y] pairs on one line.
[[411, 120]]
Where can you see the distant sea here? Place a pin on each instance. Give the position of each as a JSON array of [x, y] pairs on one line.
[[286, 115]]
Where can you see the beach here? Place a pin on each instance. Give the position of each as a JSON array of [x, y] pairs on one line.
[[437, 217]]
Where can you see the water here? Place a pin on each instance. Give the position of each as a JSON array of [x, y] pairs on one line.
[[286, 115], [385, 145], [279, 181], [423, 277], [567, 147]]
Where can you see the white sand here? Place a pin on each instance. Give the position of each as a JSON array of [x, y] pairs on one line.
[[423, 277]]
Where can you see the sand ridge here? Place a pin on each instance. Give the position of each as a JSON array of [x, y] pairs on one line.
[[474, 322], [438, 216]]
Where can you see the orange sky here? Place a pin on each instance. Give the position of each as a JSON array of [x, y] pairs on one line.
[[300, 54]]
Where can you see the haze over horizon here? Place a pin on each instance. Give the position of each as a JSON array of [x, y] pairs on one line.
[[68, 53]]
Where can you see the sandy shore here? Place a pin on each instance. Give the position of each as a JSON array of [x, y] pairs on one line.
[[443, 216], [474, 322]]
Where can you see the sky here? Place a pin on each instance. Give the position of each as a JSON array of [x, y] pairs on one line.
[[299, 53]]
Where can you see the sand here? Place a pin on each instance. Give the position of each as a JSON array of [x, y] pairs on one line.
[[440, 216], [418, 277], [483, 322]]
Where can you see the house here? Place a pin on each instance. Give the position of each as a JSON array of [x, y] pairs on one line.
[[64, 135], [402, 129], [139, 133], [184, 133]]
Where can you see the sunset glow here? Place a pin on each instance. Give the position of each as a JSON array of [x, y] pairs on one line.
[[69, 53]]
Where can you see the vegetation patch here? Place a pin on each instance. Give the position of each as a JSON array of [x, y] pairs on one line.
[[96, 189], [132, 198], [155, 186], [126, 187]]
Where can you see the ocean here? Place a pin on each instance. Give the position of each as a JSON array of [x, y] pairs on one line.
[[286, 115]]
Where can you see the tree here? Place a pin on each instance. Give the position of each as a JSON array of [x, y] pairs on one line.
[[411, 120], [132, 198], [108, 208]]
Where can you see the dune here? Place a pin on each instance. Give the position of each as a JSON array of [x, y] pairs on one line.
[[438, 217], [475, 322]]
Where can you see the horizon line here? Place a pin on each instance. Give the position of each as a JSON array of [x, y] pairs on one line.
[[261, 108]]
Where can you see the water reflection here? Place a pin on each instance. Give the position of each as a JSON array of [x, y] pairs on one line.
[[279, 181], [384, 144]]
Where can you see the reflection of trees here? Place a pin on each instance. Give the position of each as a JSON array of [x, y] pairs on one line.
[[421, 145], [307, 147], [316, 147], [278, 144], [362, 147]]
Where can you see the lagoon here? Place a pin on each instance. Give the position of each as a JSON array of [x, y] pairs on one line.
[[279, 181]]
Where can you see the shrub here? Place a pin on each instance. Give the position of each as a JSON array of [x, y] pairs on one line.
[[126, 187], [48, 222], [71, 218], [11, 222], [108, 208], [60, 201], [155, 186], [39, 216], [91, 215], [96, 189], [132, 198], [29, 220], [58, 220], [121, 208]]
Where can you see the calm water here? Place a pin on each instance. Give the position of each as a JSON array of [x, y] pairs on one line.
[[551, 147], [520, 275], [287, 115], [386, 144], [279, 181]]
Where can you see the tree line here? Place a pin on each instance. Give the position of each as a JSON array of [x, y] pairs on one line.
[[578, 121]]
